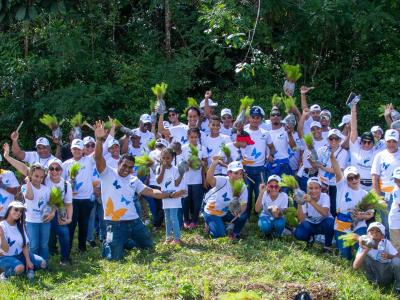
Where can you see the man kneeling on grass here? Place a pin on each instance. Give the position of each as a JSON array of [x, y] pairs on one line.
[[119, 189], [378, 258], [226, 201]]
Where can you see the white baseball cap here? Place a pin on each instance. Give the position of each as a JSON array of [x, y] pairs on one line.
[[16, 204], [350, 170], [335, 132], [235, 166], [378, 225], [162, 142], [345, 120], [42, 141], [315, 107], [376, 128], [55, 161], [391, 134], [326, 112], [210, 103], [314, 180], [112, 142], [396, 173], [274, 177], [77, 143], [145, 118], [226, 111], [315, 124], [136, 132], [88, 139]]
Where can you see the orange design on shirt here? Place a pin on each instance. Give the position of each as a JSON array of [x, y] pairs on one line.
[[213, 211], [385, 189], [115, 214]]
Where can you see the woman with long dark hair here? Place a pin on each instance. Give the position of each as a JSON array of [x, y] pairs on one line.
[[15, 257]]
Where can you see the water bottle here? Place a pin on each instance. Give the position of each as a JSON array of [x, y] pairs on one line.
[[381, 249], [325, 155], [30, 274]]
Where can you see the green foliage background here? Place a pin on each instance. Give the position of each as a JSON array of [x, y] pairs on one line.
[[102, 57]]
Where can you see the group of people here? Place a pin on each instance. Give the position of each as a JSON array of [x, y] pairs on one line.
[[215, 168]]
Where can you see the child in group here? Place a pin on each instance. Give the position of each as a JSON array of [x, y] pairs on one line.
[[169, 180], [271, 203], [394, 214]]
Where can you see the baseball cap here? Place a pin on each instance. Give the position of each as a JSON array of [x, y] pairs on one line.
[[235, 166], [391, 134], [162, 142], [87, 140], [55, 161], [314, 180], [315, 124], [77, 143], [135, 132], [244, 136], [335, 132], [345, 120], [326, 112], [396, 173], [172, 109], [42, 141], [16, 204], [145, 118], [367, 136], [210, 103], [226, 111], [378, 225], [274, 177], [350, 170], [376, 128], [257, 111], [315, 107], [112, 142]]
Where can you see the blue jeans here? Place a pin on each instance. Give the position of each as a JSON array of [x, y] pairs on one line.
[[282, 166], [96, 222], [217, 226], [269, 224], [119, 232], [253, 173], [9, 263], [385, 213], [156, 210], [346, 252], [306, 230], [172, 223], [191, 205], [62, 231], [39, 234]]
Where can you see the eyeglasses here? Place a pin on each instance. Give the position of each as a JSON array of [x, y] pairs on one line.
[[90, 145], [334, 138], [273, 186], [57, 169], [366, 142], [275, 115], [351, 178]]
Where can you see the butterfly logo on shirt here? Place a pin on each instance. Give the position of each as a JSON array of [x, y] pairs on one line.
[[95, 173], [255, 153], [77, 185], [167, 183], [329, 175], [347, 198], [124, 200], [209, 150], [225, 197], [290, 152], [385, 166], [40, 203], [281, 136], [3, 199], [183, 140], [10, 242], [116, 185], [115, 215], [365, 161]]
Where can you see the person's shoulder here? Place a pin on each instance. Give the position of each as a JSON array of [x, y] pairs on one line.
[[283, 196]]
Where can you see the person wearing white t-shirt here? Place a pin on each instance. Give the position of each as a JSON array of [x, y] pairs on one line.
[[207, 107], [381, 265], [394, 213], [82, 190], [379, 142], [227, 122], [385, 162], [226, 201], [119, 190], [315, 109], [255, 155], [145, 131], [314, 215], [349, 194], [271, 204], [15, 256], [9, 187], [113, 153], [42, 155]]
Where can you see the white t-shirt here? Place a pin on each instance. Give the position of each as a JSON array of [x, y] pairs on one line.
[[35, 207], [281, 202], [144, 138], [10, 181], [32, 157], [312, 215], [82, 187], [135, 151], [66, 194], [306, 153], [375, 254], [14, 238], [347, 199], [167, 185], [118, 195], [361, 159], [254, 155], [280, 139], [307, 124], [112, 162], [383, 165], [179, 134], [380, 145], [341, 157], [213, 147], [219, 197], [193, 176], [294, 155], [226, 131], [394, 213]]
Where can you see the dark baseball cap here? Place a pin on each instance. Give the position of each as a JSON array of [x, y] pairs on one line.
[[367, 136], [256, 111]]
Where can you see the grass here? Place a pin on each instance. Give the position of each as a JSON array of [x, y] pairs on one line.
[[202, 269]]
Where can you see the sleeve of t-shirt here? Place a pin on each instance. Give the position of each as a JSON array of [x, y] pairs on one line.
[[269, 138], [342, 159], [340, 184], [325, 201], [285, 201], [139, 187], [31, 157], [220, 181], [13, 182], [390, 248], [375, 165], [244, 195], [68, 194]]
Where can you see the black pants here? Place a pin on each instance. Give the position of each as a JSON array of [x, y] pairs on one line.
[[332, 195], [80, 216]]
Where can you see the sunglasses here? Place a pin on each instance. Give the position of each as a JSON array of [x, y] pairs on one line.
[[275, 115], [351, 178], [366, 142], [273, 186], [90, 145], [333, 138], [226, 118], [171, 115], [18, 210], [55, 169]]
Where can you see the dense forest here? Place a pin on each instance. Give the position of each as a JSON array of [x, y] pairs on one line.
[[102, 57]]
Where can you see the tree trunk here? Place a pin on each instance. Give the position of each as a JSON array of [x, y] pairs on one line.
[[167, 29]]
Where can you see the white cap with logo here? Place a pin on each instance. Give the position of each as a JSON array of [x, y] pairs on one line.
[[378, 225], [274, 177], [226, 111], [345, 120], [145, 118], [391, 134], [315, 124], [88, 139], [335, 132], [350, 170], [42, 141], [77, 143], [235, 166], [315, 107], [112, 142]]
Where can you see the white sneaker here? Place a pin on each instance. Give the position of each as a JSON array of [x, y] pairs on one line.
[[320, 238], [146, 222], [3, 277]]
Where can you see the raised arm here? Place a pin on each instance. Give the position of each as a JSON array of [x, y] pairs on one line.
[[353, 123], [303, 98], [100, 134], [258, 205], [210, 172], [303, 118], [161, 128], [19, 154], [19, 165], [387, 114], [336, 168]]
